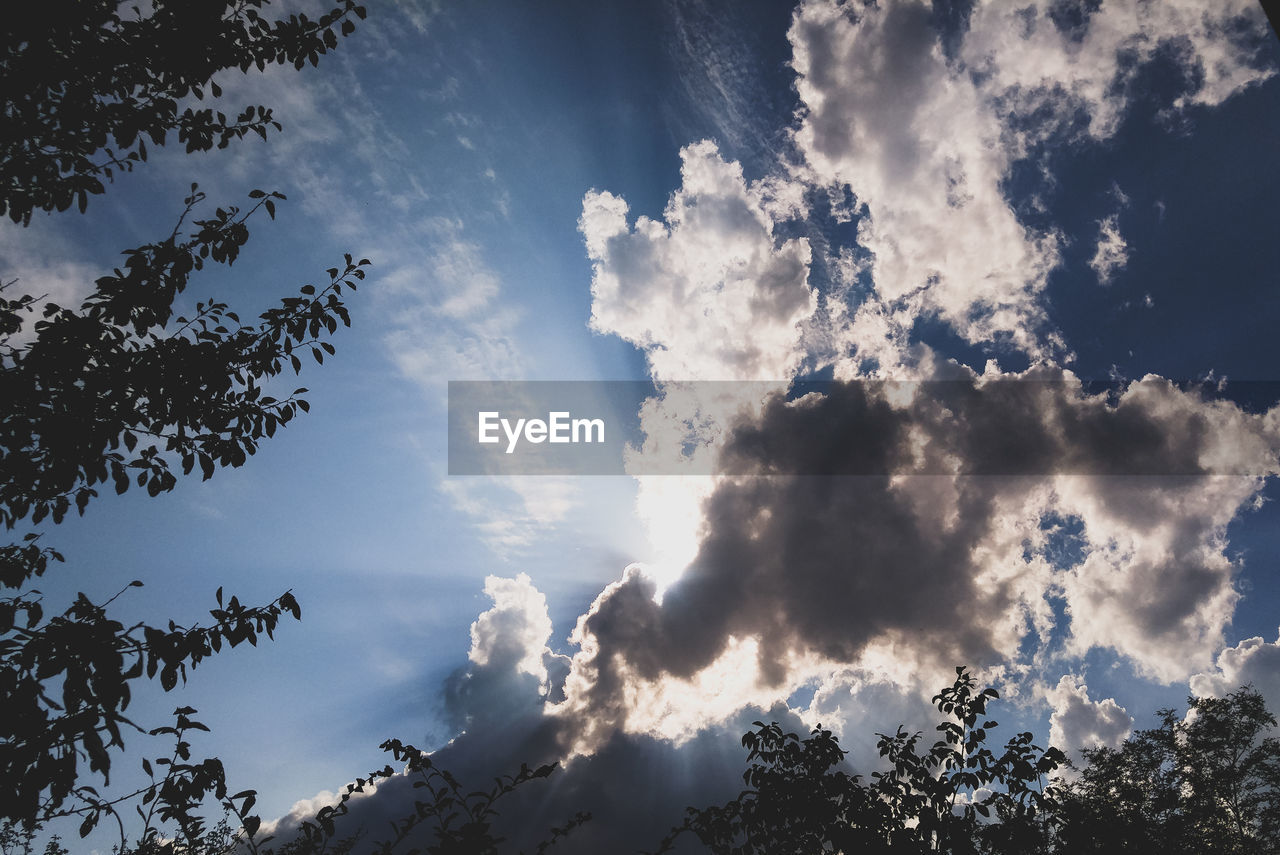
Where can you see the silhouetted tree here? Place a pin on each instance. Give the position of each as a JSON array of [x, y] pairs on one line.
[[88, 82], [447, 819], [951, 797], [1208, 782], [119, 391]]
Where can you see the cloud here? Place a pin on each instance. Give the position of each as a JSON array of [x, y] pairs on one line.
[[797, 570], [725, 77], [36, 261], [304, 810], [511, 667], [510, 513], [924, 127], [710, 293], [1078, 722], [713, 292], [885, 691], [635, 786], [1077, 63], [514, 633], [883, 112], [1111, 252], [450, 323], [1251, 662], [939, 542]]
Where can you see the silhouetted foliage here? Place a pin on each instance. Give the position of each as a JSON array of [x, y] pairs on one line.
[[88, 82], [446, 818], [119, 391], [1206, 783], [19, 840], [956, 796]]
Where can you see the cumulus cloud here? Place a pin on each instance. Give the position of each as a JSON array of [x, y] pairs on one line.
[[707, 294], [1075, 63], [712, 292], [883, 112], [1078, 722], [798, 569], [1251, 662], [635, 786], [514, 633], [924, 127], [511, 670], [933, 544]]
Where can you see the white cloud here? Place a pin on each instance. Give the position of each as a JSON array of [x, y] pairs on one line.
[[1251, 662], [44, 265], [1111, 252], [1078, 722], [921, 147], [1034, 63], [708, 294], [926, 140], [305, 810], [510, 513], [514, 632]]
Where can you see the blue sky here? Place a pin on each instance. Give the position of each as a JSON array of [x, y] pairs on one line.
[[718, 191]]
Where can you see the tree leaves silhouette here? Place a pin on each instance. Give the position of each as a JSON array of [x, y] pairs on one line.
[[118, 390]]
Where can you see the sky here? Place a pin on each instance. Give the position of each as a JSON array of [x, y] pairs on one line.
[[864, 195]]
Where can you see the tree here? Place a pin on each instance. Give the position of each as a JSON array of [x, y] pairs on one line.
[[447, 818], [87, 82], [958, 796], [120, 391], [1208, 782]]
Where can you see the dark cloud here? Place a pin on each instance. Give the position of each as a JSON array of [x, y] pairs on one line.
[[1033, 424], [635, 787], [825, 565]]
